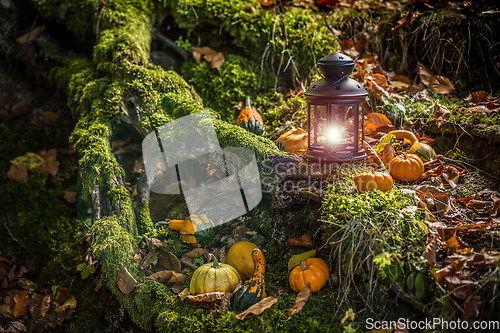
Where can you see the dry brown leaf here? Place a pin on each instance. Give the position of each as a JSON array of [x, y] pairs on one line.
[[70, 303], [125, 280], [183, 294], [17, 327], [44, 307], [388, 153], [17, 110], [167, 277], [178, 287], [257, 308], [207, 297], [225, 303], [471, 308], [30, 35], [477, 97], [300, 301], [5, 311], [196, 253], [22, 303], [189, 263], [373, 157], [169, 261], [70, 196], [408, 210], [150, 257], [63, 294], [304, 240], [348, 48], [440, 113], [424, 73], [35, 304], [440, 84], [18, 172], [430, 250]]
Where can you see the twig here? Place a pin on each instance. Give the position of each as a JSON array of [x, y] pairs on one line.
[[17, 241], [409, 298], [179, 50]]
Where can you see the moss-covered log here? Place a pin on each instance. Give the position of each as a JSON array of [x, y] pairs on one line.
[[118, 84]]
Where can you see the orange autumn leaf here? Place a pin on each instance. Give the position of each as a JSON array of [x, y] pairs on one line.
[[471, 308], [374, 121], [348, 48], [388, 153], [379, 79], [478, 97], [304, 240], [22, 303], [430, 251]]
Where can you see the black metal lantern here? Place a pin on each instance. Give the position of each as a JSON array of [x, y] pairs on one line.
[[335, 113]]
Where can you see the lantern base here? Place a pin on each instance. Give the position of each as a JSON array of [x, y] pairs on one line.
[[317, 155]]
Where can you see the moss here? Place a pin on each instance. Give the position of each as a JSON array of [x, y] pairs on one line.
[[144, 222], [223, 88]]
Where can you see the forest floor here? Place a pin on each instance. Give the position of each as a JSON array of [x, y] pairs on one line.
[[449, 267]]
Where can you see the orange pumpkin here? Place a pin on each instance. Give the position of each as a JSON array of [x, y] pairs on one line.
[[314, 271], [372, 181], [294, 141], [406, 167]]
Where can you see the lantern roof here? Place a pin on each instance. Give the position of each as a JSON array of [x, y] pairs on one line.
[[336, 85]]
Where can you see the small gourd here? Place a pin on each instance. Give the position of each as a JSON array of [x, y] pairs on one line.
[[196, 230], [314, 271], [240, 257], [406, 167], [422, 150], [214, 276], [294, 141], [372, 181], [251, 120], [254, 289]]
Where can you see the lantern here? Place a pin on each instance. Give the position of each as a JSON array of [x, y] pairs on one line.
[[335, 113]]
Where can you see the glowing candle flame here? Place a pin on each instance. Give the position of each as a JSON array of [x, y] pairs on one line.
[[334, 134]]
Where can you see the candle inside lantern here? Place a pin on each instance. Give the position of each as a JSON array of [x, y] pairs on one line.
[[334, 134]]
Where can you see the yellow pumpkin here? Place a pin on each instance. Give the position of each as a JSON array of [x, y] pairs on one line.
[[294, 141], [406, 167], [240, 257], [214, 277], [372, 181]]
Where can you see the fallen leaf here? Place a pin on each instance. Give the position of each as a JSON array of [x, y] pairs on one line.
[[373, 157], [44, 307], [22, 303], [347, 47], [300, 301], [17, 110], [167, 277], [477, 97], [18, 172], [35, 306], [471, 308], [388, 153], [196, 253], [298, 258], [304, 240], [424, 73], [430, 251], [178, 287], [18, 327], [125, 280], [215, 58], [409, 210], [361, 41], [63, 294], [50, 116], [463, 291], [30, 160], [207, 297], [374, 121], [440, 84], [70, 303], [183, 294], [440, 113], [27, 284], [30, 35], [169, 261], [225, 303], [49, 166], [5, 311], [70, 196], [257, 308], [150, 257]]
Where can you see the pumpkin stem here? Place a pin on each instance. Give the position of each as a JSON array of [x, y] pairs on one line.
[[304, 267], [248, 105], [372, 169], [214, 258]]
